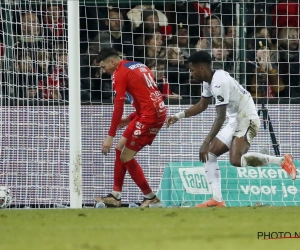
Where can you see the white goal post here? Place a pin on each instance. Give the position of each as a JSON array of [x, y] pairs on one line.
[[74, 105]]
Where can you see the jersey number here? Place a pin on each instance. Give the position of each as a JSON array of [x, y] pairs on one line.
[[150, 81]]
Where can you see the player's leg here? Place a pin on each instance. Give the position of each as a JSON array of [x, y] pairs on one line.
[[119, 169], [238, 148], [135, 171], [143, 135], [113, 199], [137, 174], [246, 131], [257, 159], [241, 144], [218, 146]]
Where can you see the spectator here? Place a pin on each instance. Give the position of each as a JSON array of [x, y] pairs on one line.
[[158, 69], [145, 20], [220, 47], [230, 35], [182, 40], [26, 82], [262, 74], [61, 70], [289, 66], [31, 35], [178, 72], [55, 21], [260, 32], [150, 20], [213, 28], [48, 81], [31, 28], [230, 32], [151, 50], [261, 18], [190, 15], [91, 75], [149, 25], [115, 36]]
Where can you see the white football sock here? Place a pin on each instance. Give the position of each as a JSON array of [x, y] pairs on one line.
[[257, 159], [213, 175], [117, 194], [150, 195]]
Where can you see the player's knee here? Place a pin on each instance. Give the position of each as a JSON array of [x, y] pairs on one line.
[[211, 157], [235, 161]]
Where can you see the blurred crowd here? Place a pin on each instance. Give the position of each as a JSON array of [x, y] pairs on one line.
[[161, 36]]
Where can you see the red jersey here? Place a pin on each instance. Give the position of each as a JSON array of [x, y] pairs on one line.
[[135, 81]]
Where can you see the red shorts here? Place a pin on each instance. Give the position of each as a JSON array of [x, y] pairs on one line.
[[139, 134]]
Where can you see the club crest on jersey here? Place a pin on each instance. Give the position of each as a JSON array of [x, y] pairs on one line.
[[137, 132], [220, 98]]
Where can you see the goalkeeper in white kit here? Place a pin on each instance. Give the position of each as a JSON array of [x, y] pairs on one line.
[[233, 101]]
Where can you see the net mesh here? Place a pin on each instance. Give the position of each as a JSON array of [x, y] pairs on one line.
[[257, 43]]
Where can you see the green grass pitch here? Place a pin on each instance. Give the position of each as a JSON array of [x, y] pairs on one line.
[[153, 229]]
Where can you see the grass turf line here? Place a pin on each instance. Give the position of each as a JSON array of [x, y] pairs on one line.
[[153, 229]]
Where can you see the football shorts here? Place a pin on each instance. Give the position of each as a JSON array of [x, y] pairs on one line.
[[139, 134], [247, 128]]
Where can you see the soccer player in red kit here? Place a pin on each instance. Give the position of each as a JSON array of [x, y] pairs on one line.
[[134, 81]]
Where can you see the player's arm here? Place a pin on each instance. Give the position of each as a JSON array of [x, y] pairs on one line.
[[115, 121], [120, 89], [196, 109], [218, 123], [116, 117], [221, 91]]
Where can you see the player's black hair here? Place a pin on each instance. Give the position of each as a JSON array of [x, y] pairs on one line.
[[106, 53], [200, 57]]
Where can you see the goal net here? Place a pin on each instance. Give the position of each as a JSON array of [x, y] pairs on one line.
[[257, 43]]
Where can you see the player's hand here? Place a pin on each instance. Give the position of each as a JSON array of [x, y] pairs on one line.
[[107, 144], [124, 122], [203, 152], [171, 120], [174, 96]]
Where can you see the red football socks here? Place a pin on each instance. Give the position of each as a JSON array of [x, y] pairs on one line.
[[137, 175], [119, 172]]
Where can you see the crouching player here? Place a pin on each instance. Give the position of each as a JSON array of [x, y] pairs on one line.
[[233, 101], [135, 81]]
